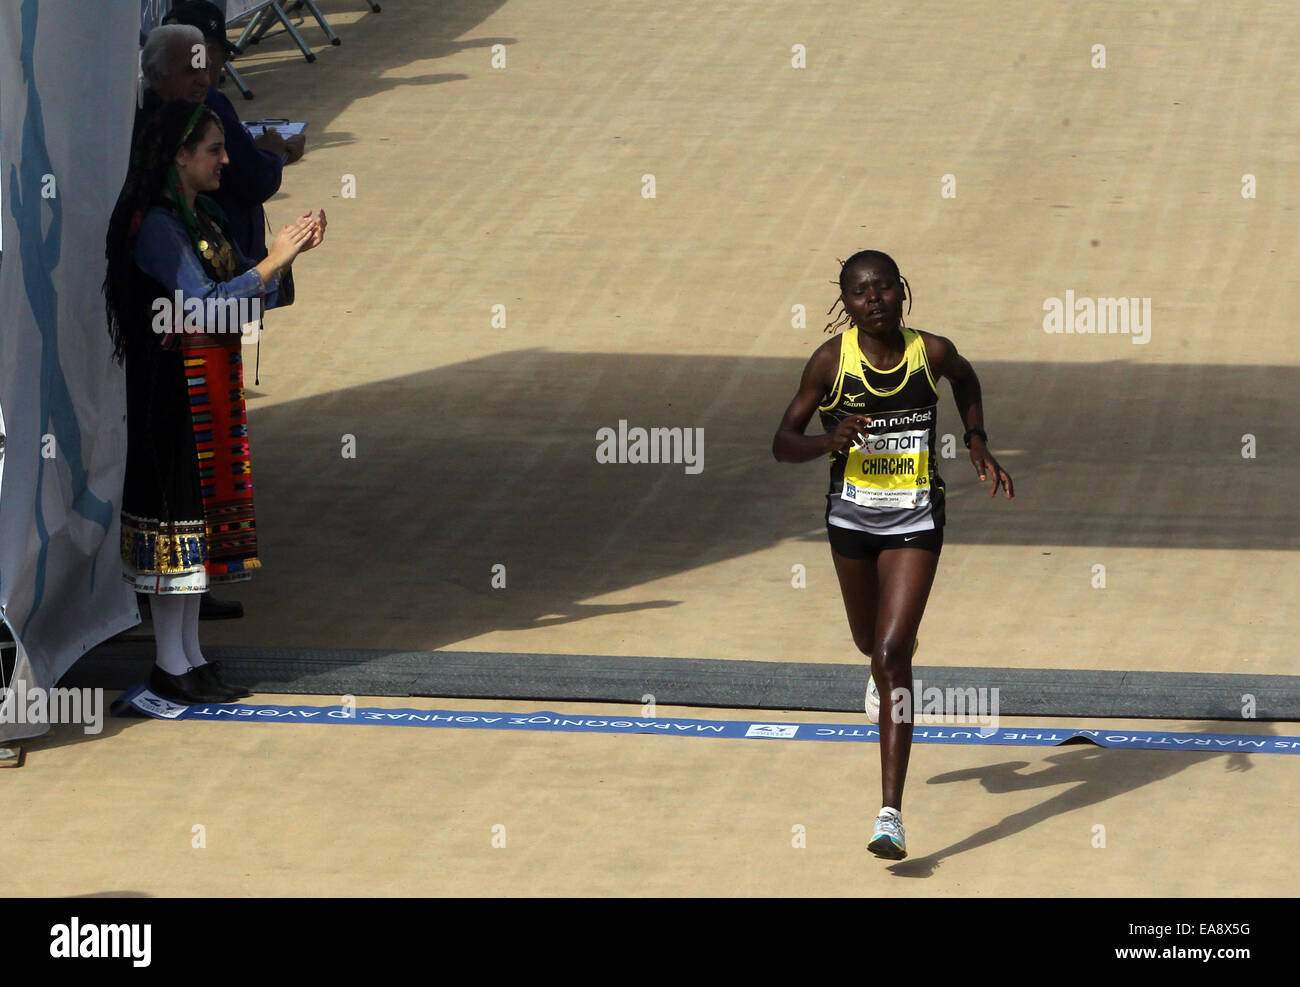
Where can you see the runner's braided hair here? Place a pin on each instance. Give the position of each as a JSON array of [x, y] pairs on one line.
[[127, 291], [864, 255]]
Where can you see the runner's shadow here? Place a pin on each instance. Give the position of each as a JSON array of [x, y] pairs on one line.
[[115, 894], [1097, 774]]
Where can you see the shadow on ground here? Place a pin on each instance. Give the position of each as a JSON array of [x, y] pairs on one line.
[[403, 495], [372, 47], [1095, 775]]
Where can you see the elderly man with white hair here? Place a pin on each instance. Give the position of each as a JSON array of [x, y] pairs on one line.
[[175, 64]]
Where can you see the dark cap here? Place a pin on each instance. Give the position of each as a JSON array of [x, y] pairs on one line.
[[207, 17]]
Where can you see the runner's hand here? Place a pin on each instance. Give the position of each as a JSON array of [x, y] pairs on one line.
[[851, 431], [985, 464]]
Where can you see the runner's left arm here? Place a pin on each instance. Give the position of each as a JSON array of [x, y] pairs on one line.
[[945, 361]]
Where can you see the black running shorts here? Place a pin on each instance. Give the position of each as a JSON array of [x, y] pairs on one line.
[[864, 545]]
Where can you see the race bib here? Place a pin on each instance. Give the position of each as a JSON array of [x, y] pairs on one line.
[[890, 470]]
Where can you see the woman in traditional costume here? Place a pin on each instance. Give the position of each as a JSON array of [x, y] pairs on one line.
[[179, 293]]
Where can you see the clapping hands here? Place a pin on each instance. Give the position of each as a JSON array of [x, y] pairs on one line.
[[316, 226]]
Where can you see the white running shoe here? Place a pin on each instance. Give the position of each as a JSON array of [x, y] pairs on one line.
[[888, 840], [872, 704]]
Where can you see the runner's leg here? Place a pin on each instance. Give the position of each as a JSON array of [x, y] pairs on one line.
[[859, 588], [905, 577]]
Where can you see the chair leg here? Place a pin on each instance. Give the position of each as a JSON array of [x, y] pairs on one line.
[[239, 83], [257, 26], [278, 11], [320, 19]]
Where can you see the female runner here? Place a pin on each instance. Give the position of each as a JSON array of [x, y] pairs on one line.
[[876, 387]]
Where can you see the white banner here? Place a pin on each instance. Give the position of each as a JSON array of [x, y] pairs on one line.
[[151, 15], [67, 98]]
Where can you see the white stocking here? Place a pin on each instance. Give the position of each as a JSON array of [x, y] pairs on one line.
[[190, 630], [168, 617]]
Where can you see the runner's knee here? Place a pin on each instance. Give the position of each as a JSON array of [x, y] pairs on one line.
[[894, 654]]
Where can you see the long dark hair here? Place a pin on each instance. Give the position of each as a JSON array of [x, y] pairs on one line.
[[127, 290]]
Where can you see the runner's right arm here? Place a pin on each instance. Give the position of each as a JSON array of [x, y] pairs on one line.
[[790, 445]]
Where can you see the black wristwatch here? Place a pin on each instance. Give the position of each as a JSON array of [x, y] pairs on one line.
[[975, 431]]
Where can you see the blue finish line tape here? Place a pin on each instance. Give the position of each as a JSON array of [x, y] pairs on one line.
[[139, 701]]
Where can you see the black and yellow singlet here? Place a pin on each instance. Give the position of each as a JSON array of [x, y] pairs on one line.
[[890, 485]]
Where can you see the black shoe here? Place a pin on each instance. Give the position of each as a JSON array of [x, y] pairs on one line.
[[210, 676], [211, 608], [186, 689]]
